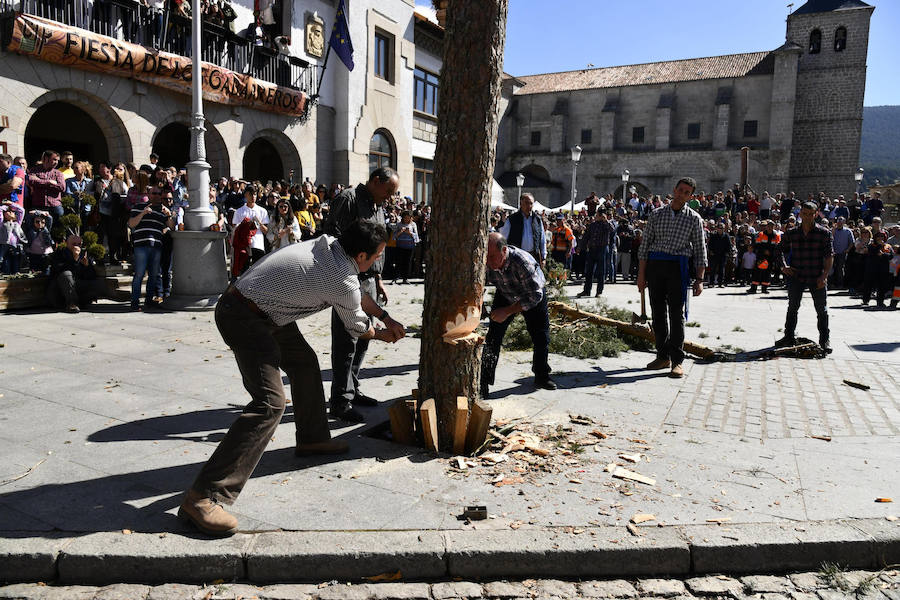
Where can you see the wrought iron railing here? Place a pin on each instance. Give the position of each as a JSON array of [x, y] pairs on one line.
[[165, 30]]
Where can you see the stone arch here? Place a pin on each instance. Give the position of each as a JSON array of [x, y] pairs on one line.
[[118, 141], [642, 190], [391, 143], [290, 157], [537, 171], [216, 150]]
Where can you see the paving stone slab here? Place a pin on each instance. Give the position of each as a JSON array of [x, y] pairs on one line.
[[25, 557], [773, 548], [505, 590], [400, 591], [767, 584], [615, 588], [345, 556], [555, 588], [152, 558], [47, 592], [123, 591], [288, 591], [344, 592], [665, 588], [233, 591], [806, 581], [714, 585], [536, 553], [453, 590], [174, 591]]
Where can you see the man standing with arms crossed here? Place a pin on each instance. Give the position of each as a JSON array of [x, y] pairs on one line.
[[362, 203], [525, 230], [674, 234]]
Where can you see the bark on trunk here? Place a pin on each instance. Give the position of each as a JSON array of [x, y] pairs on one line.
[[464, 164]]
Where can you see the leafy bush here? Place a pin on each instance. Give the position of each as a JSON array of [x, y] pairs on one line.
[[89, 238], [556, 276], [96, 251], [68, 202], [70, 223]]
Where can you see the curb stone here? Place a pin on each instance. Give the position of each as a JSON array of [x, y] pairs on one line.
[[495, 555]]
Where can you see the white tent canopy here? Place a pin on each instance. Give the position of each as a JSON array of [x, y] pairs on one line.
[[539, 208], [498, 197]]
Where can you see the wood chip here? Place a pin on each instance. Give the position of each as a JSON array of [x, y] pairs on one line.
[[719, 520], [642, 518], [824, 438], [599, 434], [610, 467], [637, 441], [622, 473], [891, 518], [509, 481], [633, 530], [534, 449], [884, 500], [575, 480], [632, 458], [493, 457]]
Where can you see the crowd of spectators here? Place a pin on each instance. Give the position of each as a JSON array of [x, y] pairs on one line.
[[601, 241], [61, 196]]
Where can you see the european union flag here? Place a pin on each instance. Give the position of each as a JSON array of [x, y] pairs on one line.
[[340, 37]]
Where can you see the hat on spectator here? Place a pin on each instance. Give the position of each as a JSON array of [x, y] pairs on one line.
[[560, 217]]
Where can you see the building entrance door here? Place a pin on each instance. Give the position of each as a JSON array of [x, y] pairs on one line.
[[263, 162]]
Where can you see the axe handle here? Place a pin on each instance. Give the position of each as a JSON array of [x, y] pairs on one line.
[[644, 304]]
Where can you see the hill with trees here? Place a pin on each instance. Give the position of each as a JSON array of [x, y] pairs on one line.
[[879, 152]]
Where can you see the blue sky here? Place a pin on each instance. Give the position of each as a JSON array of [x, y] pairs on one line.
[[544, 37]]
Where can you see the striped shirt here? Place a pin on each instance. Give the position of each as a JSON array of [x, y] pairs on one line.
[[302, 279], [679, 233], [149, 231]]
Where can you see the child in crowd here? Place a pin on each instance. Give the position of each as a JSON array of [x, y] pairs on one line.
[[40, 244], [11, 237], [748, 261]]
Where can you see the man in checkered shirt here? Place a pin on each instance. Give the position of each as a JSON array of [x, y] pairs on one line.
[[672, 237], [520, 289], [257, 319]]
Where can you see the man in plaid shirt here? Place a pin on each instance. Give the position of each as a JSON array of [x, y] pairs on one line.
[[520, 289], [809, 250], [674, 234]]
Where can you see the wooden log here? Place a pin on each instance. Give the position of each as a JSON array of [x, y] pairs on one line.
[[428, 416], [641, 331], [479, 423], [402, 423], [459, 425]]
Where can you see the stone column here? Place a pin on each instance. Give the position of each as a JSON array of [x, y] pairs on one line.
[[198, 260]]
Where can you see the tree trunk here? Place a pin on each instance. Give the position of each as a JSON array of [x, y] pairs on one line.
[[464, 163]]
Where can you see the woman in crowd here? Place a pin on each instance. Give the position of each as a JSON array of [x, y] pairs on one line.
[[856, 259], [284, 229], [876, 275]]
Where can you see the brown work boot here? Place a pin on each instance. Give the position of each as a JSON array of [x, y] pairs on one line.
[[329, 447], [677, 371], [659, 363], [206, 515]]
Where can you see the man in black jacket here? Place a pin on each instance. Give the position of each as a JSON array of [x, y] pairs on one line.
[[73, 282], [719, 251], [362, 203], [525, 230]]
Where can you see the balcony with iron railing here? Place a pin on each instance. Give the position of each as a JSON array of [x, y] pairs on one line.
[[167, 31]]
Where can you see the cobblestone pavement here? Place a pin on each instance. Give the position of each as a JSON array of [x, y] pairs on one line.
[[828, 584], [775, 399]]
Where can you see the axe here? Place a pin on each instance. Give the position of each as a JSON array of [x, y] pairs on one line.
[[643, 317]]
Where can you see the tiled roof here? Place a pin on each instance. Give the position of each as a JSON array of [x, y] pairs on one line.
[[816, 6], [670, 71]]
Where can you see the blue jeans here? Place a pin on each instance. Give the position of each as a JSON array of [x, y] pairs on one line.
[[146, 261]]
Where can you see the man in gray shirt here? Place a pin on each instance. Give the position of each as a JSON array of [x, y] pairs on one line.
[[257, 319]]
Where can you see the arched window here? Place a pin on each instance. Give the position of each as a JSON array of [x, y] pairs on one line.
[[815, 41], [381, 151], [840, 39]]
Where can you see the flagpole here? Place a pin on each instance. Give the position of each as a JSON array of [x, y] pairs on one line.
[[324, 64]]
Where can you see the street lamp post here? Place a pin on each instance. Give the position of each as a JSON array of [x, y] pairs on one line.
[[576, 156], [520, 181], [199, 274], [626, 175], [858, 176]]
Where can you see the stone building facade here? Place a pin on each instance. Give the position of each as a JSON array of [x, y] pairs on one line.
[[798, 108], [104, 115]]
